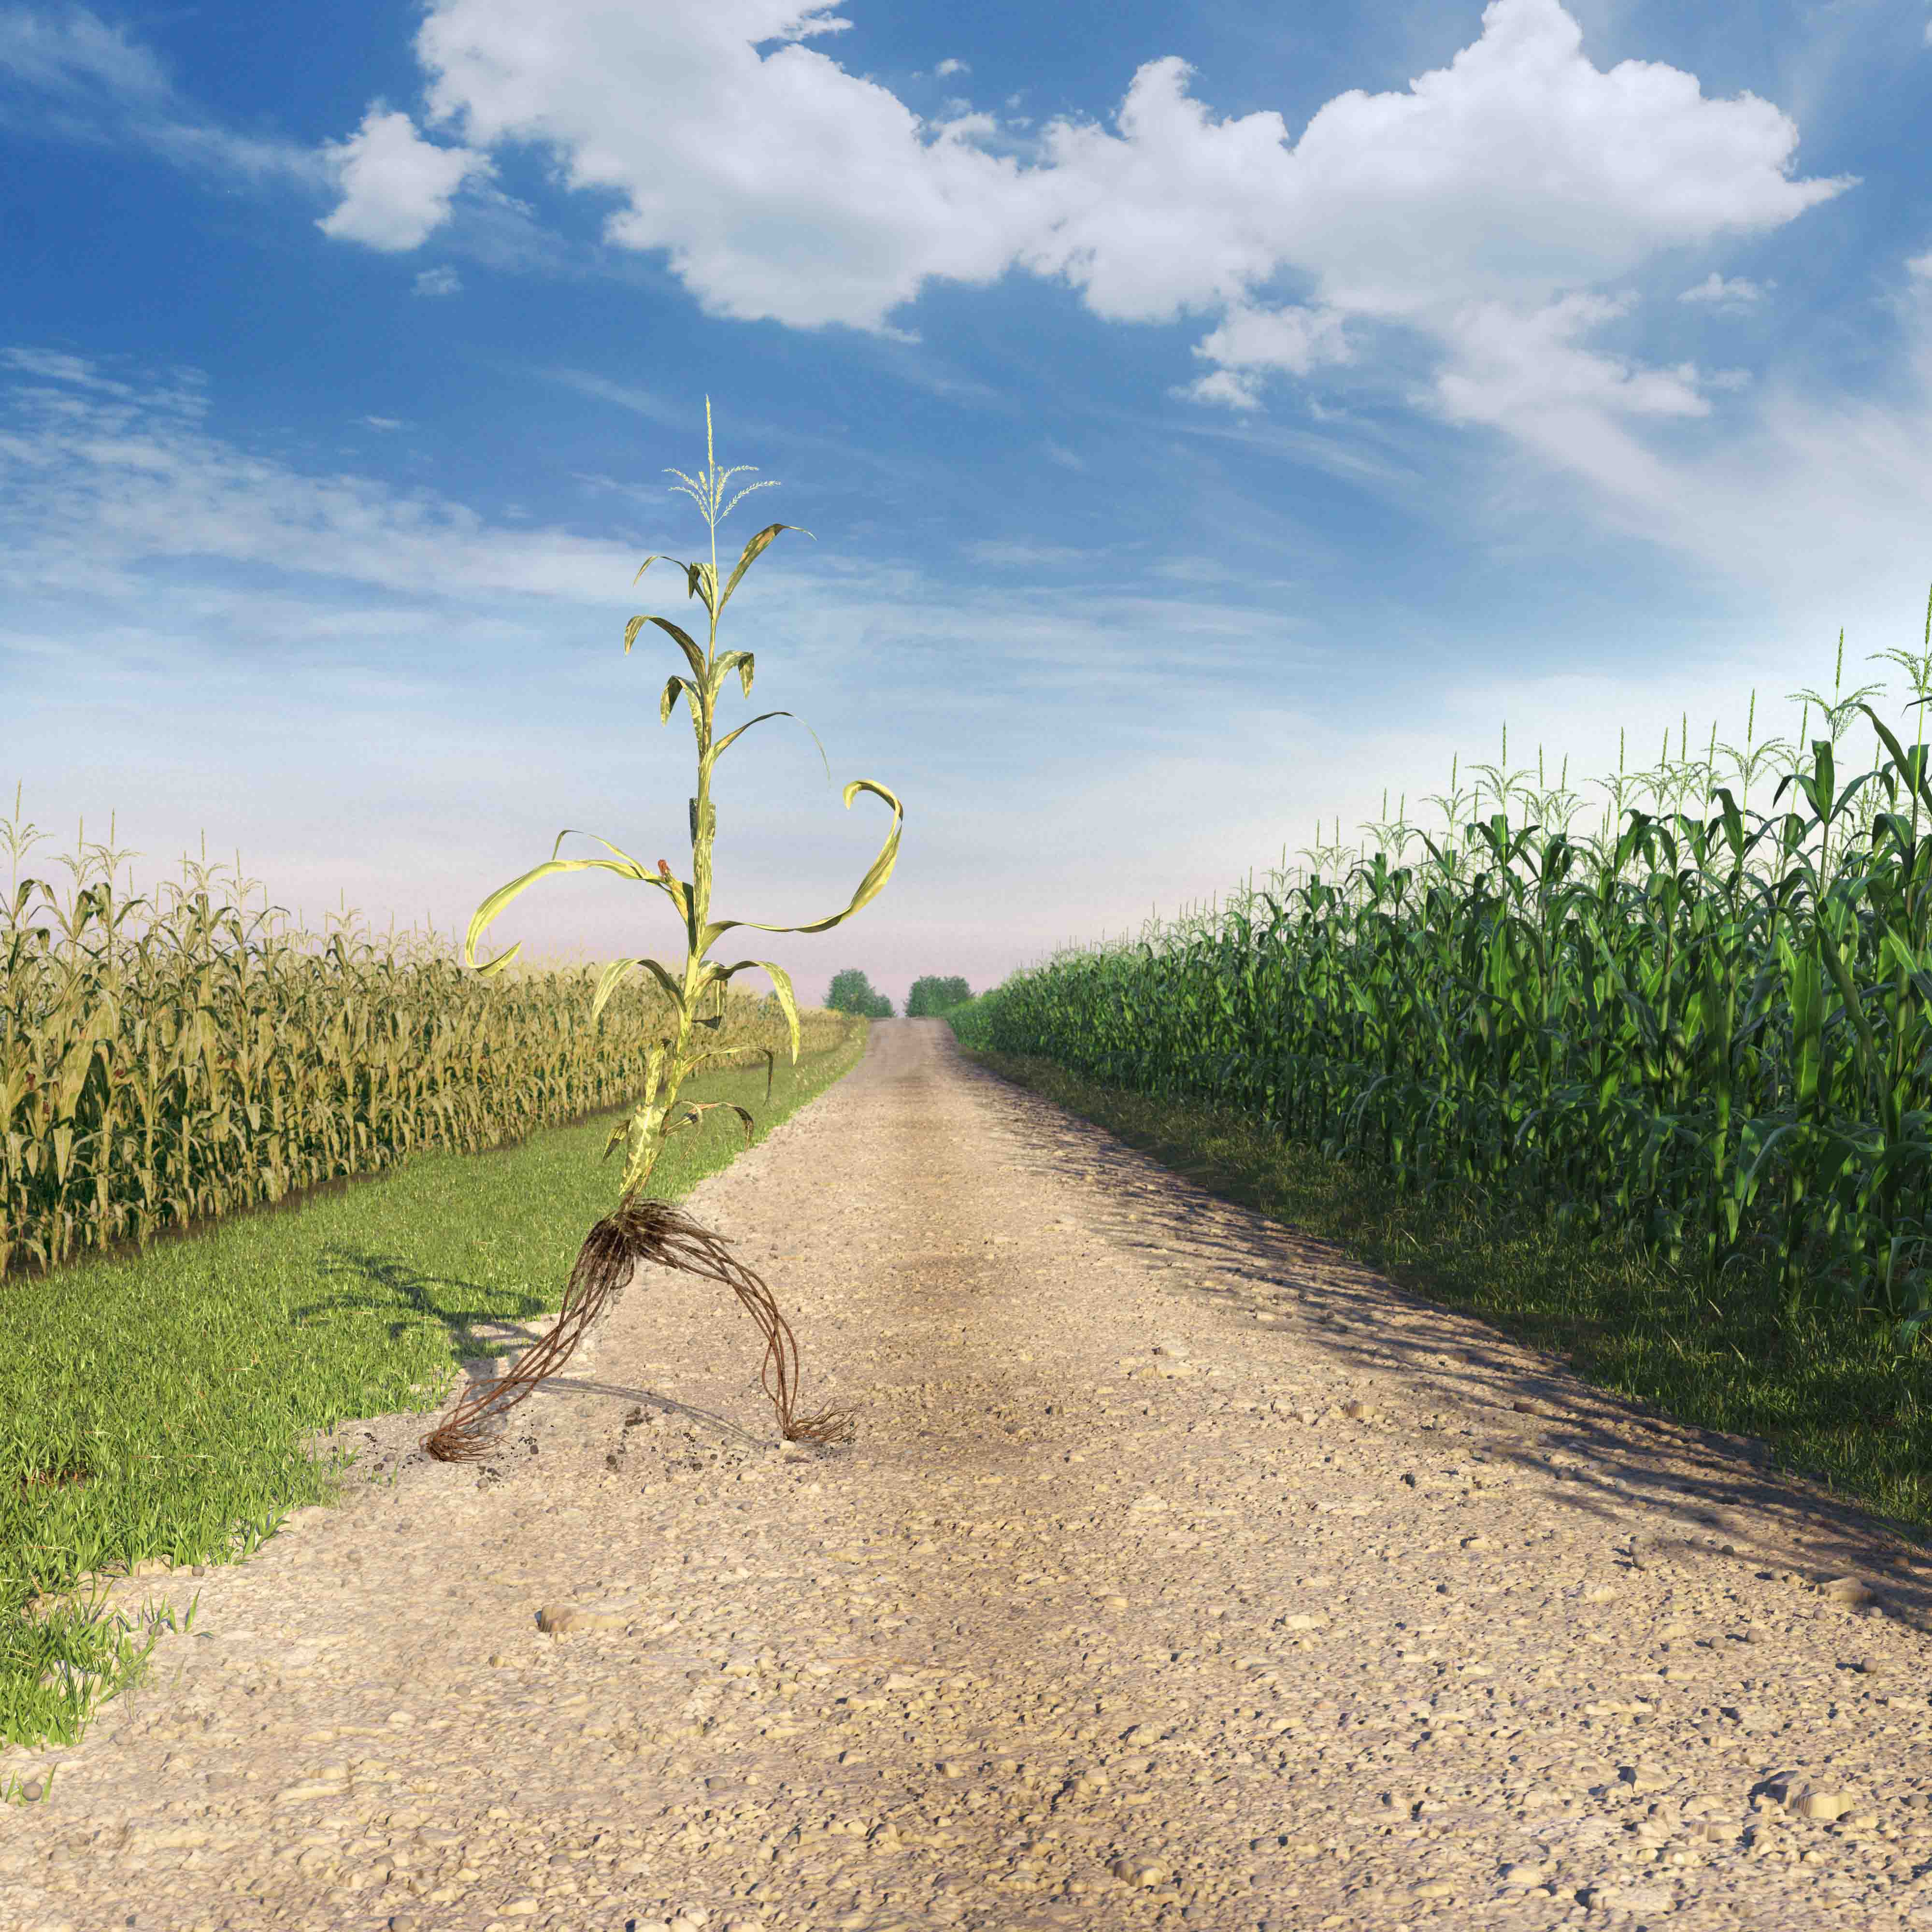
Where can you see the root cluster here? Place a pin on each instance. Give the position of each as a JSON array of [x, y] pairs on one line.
[[638, 1231]]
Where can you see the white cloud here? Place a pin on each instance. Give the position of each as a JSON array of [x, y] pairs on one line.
[[1714, 289], [1516, 369], [397, 186], [951, 67], [439, 282], [1252, 339], [781, 186], [382, 422], [1484, 207]]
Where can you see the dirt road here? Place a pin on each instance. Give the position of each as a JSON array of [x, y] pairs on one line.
[[1180, 1572]]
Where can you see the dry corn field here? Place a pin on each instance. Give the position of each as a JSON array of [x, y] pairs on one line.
[[171, 1059], [1181, 1573]]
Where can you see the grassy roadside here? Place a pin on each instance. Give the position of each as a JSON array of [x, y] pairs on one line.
[[1832, 1396], [155, 1406]]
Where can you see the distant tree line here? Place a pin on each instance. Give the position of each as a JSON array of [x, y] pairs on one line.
[[930, 998], [852, 993]]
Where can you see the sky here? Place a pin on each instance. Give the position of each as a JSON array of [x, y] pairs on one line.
[[1207, 418]]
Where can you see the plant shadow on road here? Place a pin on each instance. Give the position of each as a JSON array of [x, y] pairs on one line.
[[1757, 1437]]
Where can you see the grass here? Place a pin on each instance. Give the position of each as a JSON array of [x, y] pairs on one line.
[[1831, 1393], [155, 1405]]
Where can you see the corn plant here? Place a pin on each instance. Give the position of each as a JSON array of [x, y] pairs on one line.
[[1708, 1028], [642, 1230]]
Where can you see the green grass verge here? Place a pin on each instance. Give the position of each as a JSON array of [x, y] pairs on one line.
[[1832, 1395], [156, 1405]]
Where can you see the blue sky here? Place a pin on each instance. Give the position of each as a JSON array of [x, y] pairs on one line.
[[1206, 418]]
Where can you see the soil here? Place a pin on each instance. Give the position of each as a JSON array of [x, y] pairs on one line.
[[1180, 1571]]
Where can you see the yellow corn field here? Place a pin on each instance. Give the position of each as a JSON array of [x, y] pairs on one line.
[[165, 1060]]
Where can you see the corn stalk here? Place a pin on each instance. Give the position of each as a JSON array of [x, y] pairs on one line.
[[648, 1230]]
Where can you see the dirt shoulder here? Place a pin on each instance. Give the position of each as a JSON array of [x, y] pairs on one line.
[[1180, 1570]]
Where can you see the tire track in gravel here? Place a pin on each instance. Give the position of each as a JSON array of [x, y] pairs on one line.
[[1182, 1572]]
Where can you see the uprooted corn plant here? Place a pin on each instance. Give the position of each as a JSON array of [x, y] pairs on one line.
[[639, 1231]]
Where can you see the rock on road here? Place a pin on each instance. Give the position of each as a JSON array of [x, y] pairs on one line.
[[1181, 1572]]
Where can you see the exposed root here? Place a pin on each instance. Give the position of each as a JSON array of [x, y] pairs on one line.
[[638, 1231]]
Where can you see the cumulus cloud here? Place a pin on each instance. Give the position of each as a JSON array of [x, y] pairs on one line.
[[951, 67], [1513, 366], [397, 186], [1484, 207], [439, 282]]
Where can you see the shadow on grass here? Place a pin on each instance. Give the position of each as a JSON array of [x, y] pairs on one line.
[[391, 1280]]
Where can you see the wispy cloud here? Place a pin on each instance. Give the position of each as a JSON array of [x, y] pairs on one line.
[[1715, 291], [75, 76], [1027, 556], [79, 57]]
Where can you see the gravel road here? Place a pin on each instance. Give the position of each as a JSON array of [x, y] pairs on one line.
[[1181, 1572]]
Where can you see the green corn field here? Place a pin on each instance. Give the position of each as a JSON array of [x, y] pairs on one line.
[[165, 1061], [1704, 1025]]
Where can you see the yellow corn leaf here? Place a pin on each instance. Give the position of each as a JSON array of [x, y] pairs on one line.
[[669, 698], [869, 887], [723, 745], [607, 980], [693, 656], [623, 864], [781, 985], [740, 661], [754, 548]]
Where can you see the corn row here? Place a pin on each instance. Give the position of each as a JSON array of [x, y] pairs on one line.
[[1709, 1030], [164, 1062]]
